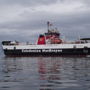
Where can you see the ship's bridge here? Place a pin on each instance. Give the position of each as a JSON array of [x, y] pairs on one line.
[[53, 32]]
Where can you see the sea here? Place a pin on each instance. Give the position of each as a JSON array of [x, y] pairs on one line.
[[44, 73]]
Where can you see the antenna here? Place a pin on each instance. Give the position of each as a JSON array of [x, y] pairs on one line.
[[79, 38]]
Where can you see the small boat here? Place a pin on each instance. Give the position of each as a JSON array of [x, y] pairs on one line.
[[48, 44]]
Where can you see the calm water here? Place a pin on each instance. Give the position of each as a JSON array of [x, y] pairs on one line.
[[44, 73]]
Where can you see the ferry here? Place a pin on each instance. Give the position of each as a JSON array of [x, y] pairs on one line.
[[48, 44]]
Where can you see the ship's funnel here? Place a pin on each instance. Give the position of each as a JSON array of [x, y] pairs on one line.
[[41, 40]]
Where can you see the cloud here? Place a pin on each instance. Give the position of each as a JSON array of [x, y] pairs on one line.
[[24, 18], [26, 2]]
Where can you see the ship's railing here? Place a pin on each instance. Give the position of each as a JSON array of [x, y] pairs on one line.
[[27, 43]]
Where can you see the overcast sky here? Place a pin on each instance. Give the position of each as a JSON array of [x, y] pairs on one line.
[[26, 19]]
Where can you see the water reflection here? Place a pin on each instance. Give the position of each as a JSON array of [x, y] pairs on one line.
[[49, 69], [9, 65], [64, 73], [45, 73]]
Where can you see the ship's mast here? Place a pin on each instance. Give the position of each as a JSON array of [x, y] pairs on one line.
[[48, 24]]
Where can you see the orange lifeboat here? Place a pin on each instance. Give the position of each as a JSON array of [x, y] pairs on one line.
[[56, 41]]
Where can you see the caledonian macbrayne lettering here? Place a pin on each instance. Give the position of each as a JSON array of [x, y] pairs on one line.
[[43, 50]]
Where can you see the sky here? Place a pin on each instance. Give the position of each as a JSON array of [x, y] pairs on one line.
[[24, 20]]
